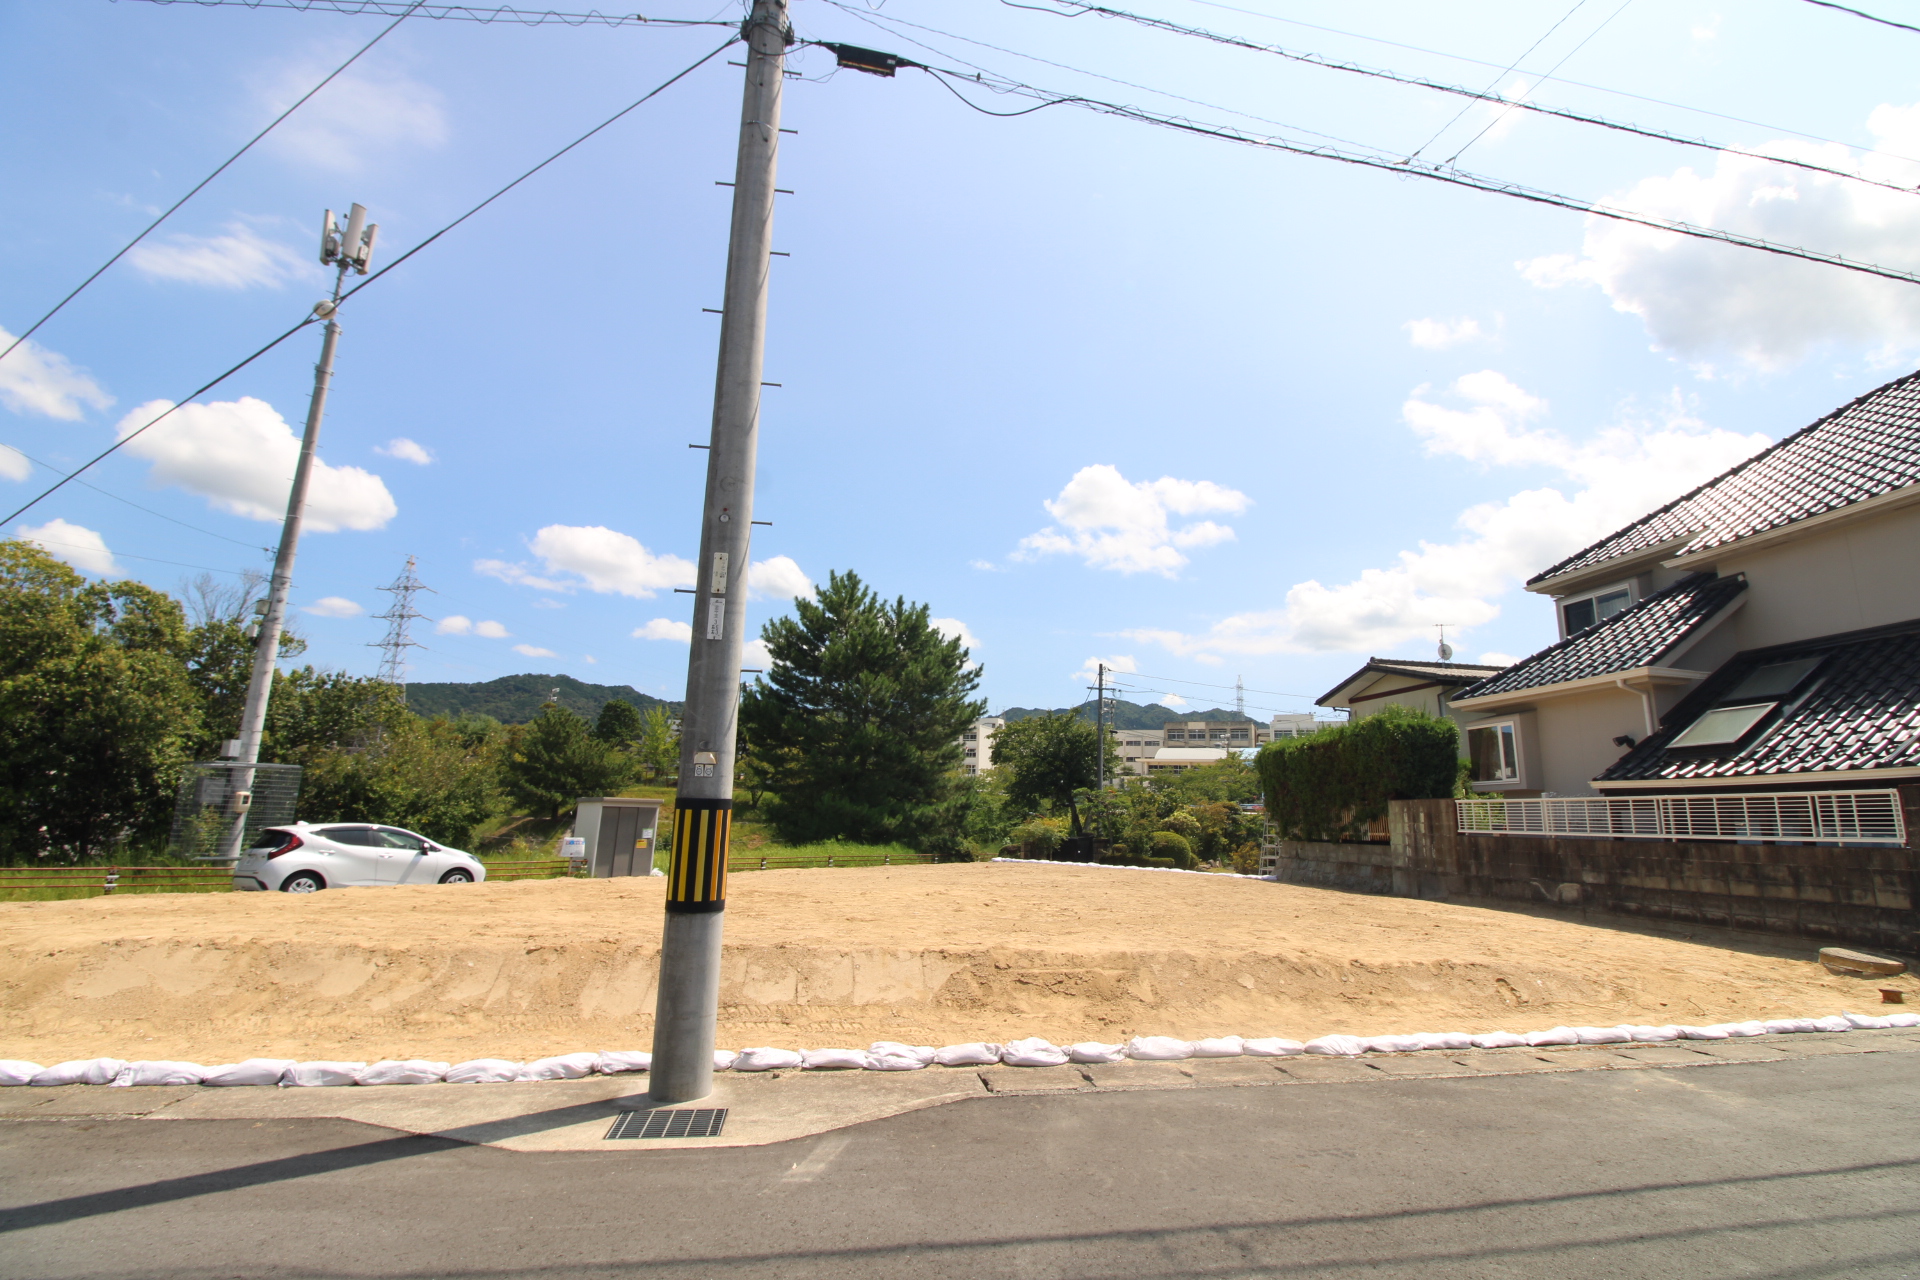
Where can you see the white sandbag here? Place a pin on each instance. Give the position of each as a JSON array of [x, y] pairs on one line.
[[1393, 1044], [1789, 1026], [767, 1059], [1868, 1022], [1159, 1049], [1556, 1035], [921, 1053], [1335, 1046], [895, 1062], [974, 1054], [482, 1071], [1033, 1052], [1444, 1040], [1499, 1040], [1271, 1047], [1091, 1051], [834, 1059], [159, 1072], [1740, 1029], [253, 1071], [1219, 1047], [1832, 1022], [320, 1075], [1704, 1033], [403, 1071], [1603, 1035], [565, 1066], [723, 1059], [1651, 1035], [619, 1061], [1903, 1019], [15, 1071], [79, 1071]]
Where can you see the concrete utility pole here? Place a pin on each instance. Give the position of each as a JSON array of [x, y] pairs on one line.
[[1100, 731], [689, 990], [350, 250]]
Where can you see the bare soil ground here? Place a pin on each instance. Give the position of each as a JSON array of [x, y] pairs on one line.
[[925, 954]]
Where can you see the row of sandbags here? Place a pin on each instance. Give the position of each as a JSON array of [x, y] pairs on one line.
[[889, 1055]]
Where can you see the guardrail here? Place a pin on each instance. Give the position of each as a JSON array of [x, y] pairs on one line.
[[775, 862], [107, 880], [1844, 817], [528, 869]]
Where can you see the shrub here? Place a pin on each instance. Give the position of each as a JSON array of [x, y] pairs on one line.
[[1331, 785], [1038, 837], [1167, 844]]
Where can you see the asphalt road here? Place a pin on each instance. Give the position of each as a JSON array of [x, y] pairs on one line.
[[1794, 1169]]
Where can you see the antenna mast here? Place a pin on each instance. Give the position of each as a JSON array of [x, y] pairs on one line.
[[399, 617]]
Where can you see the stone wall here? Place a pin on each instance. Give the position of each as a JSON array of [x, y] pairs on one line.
[[1863, 894], [1363, 868]]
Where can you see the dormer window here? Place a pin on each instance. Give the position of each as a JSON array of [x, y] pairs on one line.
[[1745, 705], [1581, 613]]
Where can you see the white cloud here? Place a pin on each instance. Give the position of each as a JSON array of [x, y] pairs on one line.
[[1704, 300], [589, 659], [240, 456], [534, 651], [491, 630], [986, 565], [14, 464], [779, 578], [365, 111], [754, 654], [239, 259], [1438, 335], [602, 560], [1623, 471], [1089, 671], [335, 607], [1173, 700], [953, 627], [1113, 524], [459, 625], [1495, 659], [76, 544], [665, 629], [406, 450], [36, 380]]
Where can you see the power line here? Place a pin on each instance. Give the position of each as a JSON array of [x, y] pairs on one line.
[[1564, 58], [1577, 6], [1561, 113], [1885, 22], [465, 13], [204, 181], [310, 319], [130, 502], [37, 541]]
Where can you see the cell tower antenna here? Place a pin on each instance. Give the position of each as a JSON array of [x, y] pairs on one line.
[[399, 619], [1239, 697]]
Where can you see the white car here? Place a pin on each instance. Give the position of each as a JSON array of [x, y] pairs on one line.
[[299, 857]]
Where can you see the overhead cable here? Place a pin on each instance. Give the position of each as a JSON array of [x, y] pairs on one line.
[[107, 493], [224, 165], [310, 319], [1561, 113], [465, 13], [1507, 71], [1564, 59], [1885, 22]]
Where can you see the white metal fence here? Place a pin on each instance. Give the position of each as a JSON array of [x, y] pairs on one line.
[[1848, 817]]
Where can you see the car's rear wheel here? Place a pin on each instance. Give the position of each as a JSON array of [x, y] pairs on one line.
[[303, 882], [457, 876]]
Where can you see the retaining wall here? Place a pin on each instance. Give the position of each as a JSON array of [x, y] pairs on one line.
[[1363, 868], [1862, 894]]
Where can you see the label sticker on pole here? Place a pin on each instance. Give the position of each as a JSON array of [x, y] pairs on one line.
[[719, 587], [716, 618], [697, 876]]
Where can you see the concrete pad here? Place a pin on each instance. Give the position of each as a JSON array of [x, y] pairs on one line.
[[1319, 1070], [1032, 1079], [1810, 1044], [1666, 1053], [1754, 1049], [1423, 1065], [1140, 1075], [1211, 1072], [1510, 1061], [105, 1100]]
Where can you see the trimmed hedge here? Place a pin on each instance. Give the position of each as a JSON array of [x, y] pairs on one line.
[[1331, 785]]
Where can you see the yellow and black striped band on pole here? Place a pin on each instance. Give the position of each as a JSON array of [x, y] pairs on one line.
[[697, 876]]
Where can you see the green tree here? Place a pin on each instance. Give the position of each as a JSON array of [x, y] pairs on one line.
[[1234, 780], [859, 718], [1049, 759], [555, 760], [1331, 785], [619, 724], [96, 704], [428, 776], [658, 750]]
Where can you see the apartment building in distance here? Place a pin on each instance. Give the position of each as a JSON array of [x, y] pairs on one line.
[[976, 744]]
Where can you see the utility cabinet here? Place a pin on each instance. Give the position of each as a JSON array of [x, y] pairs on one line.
[[619, 832]]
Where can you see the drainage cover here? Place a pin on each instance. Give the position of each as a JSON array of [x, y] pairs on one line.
[[689, 1122]]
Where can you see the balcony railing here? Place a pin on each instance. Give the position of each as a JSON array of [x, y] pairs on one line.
[[1845, 817]]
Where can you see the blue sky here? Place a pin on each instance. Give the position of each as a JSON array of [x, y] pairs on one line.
[[1090, 389]]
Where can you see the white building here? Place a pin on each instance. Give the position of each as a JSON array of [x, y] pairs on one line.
[[976, 744]]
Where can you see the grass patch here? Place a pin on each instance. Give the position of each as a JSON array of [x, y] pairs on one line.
[[830, 853], [64, 883]]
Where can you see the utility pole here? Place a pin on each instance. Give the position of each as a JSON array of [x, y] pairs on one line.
[[349, 250], [689, 988], [1100, 731]]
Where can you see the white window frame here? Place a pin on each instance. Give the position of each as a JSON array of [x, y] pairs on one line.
[[1560, 606], [1525, 749]]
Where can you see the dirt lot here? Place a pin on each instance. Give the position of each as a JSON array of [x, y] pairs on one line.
[[842, 957]]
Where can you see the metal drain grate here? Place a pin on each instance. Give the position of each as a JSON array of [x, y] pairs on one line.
[[690, 1122]]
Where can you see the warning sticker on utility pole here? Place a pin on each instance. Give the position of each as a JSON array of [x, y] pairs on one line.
[[716, 618], [719, 587]]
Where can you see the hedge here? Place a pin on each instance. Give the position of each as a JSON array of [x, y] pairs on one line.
[[1331, 785]]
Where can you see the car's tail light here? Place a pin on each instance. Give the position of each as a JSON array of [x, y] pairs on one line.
[[293, 842]]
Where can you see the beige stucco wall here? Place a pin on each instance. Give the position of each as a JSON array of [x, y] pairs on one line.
[[1431, 701], [1864, 573], [1577, 733]]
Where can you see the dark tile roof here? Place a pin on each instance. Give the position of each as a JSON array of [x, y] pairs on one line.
[[1868, 448], [1417, 668], [1862, 711], [1634, 638]]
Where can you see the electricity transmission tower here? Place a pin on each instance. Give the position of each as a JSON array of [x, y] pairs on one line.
[[399, 618]]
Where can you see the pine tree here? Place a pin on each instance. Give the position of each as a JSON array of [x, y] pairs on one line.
[[555, 760], [619, 724]]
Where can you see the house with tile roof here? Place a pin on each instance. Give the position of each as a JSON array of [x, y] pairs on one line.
[[1760, 632], [1403, 682]]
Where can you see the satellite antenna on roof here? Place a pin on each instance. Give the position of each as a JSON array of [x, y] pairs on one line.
[[1446, 650]]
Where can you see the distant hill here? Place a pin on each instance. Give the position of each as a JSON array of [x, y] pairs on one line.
[[517, 699], [1126, 715]]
